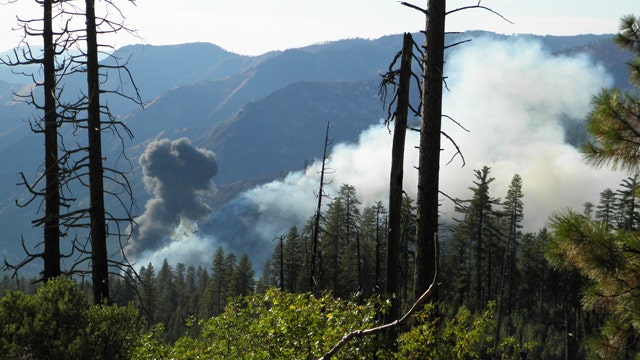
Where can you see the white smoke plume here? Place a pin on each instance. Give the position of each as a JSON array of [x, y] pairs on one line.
[[511, 95]]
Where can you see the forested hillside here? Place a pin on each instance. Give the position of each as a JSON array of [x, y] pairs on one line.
[[248, 210], [223, 102]]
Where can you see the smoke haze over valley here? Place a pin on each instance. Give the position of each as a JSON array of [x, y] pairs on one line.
[[520, 98]]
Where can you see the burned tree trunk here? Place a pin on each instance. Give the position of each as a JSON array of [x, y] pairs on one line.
[[52, 167], [397, 174], [100, 269], [316, 225], [429, 161]]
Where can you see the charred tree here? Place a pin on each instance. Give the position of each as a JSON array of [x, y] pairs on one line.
[[71, 51], [54, 44], [98, 227], [52, 168], [429, 159], [397, 171], [316, 221]]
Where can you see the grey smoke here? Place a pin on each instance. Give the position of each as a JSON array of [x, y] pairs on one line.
[[511, 95], [179, 176]]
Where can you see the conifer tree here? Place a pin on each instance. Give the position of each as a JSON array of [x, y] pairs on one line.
[[614, 120], [166, 295], [513, 214], [480, 227], [373, 232], [243, 277], [332, 246], [148, 292], [293, 259], [605, 210], [217, 289], [609, 259], [627, 212]]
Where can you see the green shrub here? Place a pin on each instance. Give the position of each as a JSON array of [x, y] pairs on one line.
[[58, 323]]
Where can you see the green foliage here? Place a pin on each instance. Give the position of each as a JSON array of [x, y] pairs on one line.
[[58, 323], [276, 325], [112, 332], [613, 121], [465, 336], [610, 261]]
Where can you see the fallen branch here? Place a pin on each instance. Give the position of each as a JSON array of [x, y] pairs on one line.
[[361, 333]]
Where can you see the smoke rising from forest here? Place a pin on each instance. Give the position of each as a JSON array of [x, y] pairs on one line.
[[179, 177], [512, 96]]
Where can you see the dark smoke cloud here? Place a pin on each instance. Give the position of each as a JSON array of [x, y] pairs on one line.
[[179, 176]]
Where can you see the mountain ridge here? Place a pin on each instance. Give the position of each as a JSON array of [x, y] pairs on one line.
[[263, 116]]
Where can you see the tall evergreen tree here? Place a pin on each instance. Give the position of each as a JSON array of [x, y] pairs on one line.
[[480, 226], [148, 293], [373, 230], [243, 277], [350, 269], [332, 245], [221, 282], [166, 295], [605, 210], [513, 214], [293, 259], [627, 212]]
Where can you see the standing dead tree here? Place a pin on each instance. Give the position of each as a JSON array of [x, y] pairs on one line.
[[82, 164], [316, 221], [430, 136], [431, 88], [98, 120], [399, 79], [52, 67]]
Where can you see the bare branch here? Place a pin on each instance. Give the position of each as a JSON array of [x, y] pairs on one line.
[[478, 6], [415, 7], [394, 324]]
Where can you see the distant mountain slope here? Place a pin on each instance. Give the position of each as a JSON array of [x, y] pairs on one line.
[[158, 69], [606, 53], [263, 116], [281, 132]]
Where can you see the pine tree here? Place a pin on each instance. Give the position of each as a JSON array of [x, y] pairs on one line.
[[350, 266], [293, 259], [166, 295], [478, 231], [513, 214], [614, 121], [373, 232], [609, 260], [332, 246], [220, 286], [605, 210], [243, 277], [627, 205], [148, 292]]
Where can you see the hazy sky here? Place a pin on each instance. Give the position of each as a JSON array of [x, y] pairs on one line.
[[254, 27]]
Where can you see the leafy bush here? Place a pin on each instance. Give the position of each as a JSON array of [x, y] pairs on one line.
[[466, 336], [278, 325], [58, 323]]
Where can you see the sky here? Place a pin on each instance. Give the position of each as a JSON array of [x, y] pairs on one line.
[[253, 27]]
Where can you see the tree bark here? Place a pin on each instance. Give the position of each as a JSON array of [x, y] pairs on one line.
[[316, 226], [396, 178], [52, 168], [100, 268], [429, 162]]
